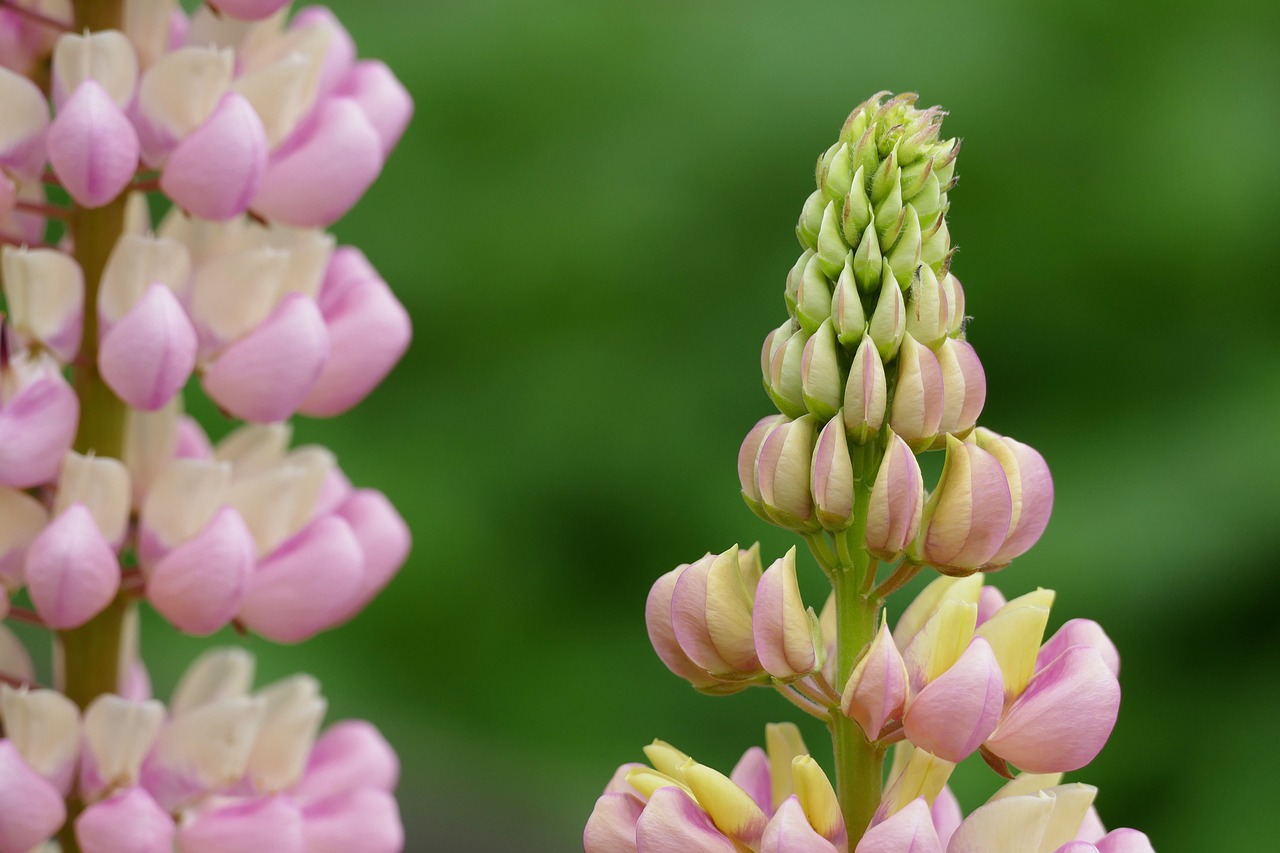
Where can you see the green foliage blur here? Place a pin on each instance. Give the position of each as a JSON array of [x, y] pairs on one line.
[[591, 219]]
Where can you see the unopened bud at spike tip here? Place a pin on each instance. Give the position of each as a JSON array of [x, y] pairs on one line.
[[867, 262], [889, 319], [813, 298]]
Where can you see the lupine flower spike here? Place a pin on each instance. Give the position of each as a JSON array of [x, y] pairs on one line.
[[872, 368], [110, 497]]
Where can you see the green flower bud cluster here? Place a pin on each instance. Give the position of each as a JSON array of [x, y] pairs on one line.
[[873, 349], [876, 257]]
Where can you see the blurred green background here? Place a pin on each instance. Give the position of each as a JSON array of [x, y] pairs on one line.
[[591, 219]]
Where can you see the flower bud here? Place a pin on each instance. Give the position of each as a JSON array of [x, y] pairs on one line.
[[784, 383], [148, 355], [927, 309], [918, 396], [811, 220], [129, 822], [955, 303], [71, 570], [31, 809], [711, 607], [833, 252], [877, 690], [44, 289], [782, 471], [201, 584], [337, 141], [897, 502], [957, 711], [216, 171], [369, 331], [865, 394], [904, 258], [305, 584], [787, 638], [39, 414], [847, 314], [867, 262], [1030, 490], [964, 387], [821, 375], [266, 375], [92, 146], [967, 516], [813, 296], [747, 461], [833, 477], [889, 319], [838, 179], [794, 277], [856, 213], [890, 216]]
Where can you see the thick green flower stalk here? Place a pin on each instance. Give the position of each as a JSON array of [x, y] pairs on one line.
[[870, 369]]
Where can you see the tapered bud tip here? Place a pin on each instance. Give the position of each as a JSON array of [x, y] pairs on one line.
[[787, 639], [877, 689], [833, 477], [866, 393]]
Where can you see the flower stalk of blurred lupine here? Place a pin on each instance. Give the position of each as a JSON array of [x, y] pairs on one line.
[[256, 127], [871, 369]]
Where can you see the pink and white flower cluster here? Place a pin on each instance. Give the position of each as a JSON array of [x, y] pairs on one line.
[[222, 769], [780, 801]]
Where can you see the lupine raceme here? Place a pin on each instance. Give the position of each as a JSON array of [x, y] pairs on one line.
[[872, 369], [166, 179]]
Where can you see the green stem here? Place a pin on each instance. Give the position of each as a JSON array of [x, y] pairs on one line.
[[859, 763], [91, 653]]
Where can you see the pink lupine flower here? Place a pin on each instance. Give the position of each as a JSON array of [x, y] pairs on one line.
[[22, 141], [788, 641], [39, 414], [31, 809], [147, 356], [217, 171], [866, 393], [711, 611], [126, 822], [964, 386], [966, 518], [877, 689], [897, 502], [44, 290], [71, 570], [1030, 488], [918, 399], [832, 477]]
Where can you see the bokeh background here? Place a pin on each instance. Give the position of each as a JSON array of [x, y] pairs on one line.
[[591, 219]]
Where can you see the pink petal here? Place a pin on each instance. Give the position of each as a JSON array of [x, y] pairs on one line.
[[897, 499], [1077, 847], [37, 428], [612, 825], [148, 355], [752, 775], [305, 583], [877, 689], [909, 831], [349, 755], [968, 516], [673, 823], [71, 571], [265, 375], [269, 823], [989, 601], [383, 99], [662, 635], [200, 585], [216, 171], [369, 330], [192, 441], [22, 149], [322, 173], [1031, 486], [129, 822], [959, 709], [1125, 841], [1063, 718], [790, 832], [1080, 632], [31, 809], [946, 815], [92, 146], [784, 641], [339, 54], [361, 821], [384, 539]]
